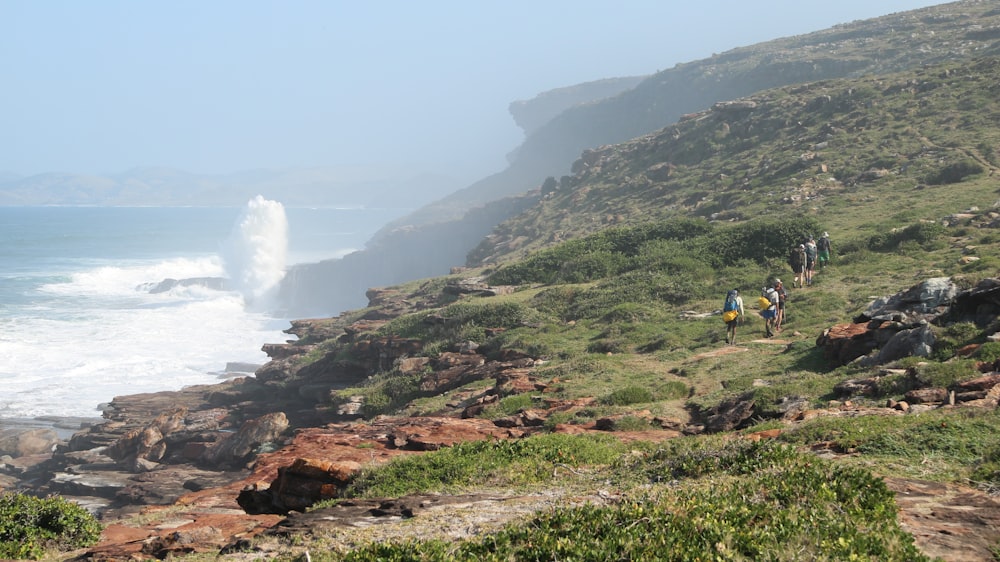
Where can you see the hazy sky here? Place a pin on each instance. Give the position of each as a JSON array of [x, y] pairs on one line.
[[218, 86]]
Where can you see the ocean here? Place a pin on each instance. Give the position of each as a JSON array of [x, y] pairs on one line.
[[80, 325]]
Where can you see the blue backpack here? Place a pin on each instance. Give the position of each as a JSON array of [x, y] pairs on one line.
[[730, 303]]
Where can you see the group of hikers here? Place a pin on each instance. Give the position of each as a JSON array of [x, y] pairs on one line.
[[803, 259]]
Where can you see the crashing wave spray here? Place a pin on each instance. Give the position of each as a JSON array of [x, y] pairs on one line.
[[254, 254]]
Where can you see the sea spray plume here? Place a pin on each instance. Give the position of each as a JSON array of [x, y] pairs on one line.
[[254, 254]]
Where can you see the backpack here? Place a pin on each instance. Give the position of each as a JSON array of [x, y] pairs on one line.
[[824, 244], [730, 303], [795, 257]]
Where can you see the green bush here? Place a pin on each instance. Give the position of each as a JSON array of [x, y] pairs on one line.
[[30, 526], [989, 352], [758, 240], [629, 395], [955, 172]]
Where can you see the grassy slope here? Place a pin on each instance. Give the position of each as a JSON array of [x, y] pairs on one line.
[[608, 264]]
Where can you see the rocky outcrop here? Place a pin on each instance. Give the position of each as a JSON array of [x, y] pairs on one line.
[[901, 325]]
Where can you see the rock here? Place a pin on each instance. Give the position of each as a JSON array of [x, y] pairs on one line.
[[25, 442], [916, 342], [185, 541], [238, 447], [844, 343], [983, 383], [855, 387], [927, 396], [214, 283], [730, 414], [299, 486]]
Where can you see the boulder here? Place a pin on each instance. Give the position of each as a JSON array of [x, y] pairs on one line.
[[914, 342], [926, 298], [730, 414], [927, 396], [237, 448], [21, 443], [299, 486]]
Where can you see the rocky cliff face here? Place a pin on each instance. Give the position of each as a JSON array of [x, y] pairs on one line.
[[530, 115]]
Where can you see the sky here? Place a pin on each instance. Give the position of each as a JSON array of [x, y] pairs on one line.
[[222, 86]]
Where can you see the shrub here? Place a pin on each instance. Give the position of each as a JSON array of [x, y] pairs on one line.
[[29, 526], [989, 352], [925, 235], [629, 395], [955, 172], [758, 240]]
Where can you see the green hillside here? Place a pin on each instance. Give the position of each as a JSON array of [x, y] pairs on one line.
[[606, 296]]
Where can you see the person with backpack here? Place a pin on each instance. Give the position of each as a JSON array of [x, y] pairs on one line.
[[824, 247], [811, 253], [768, 304], [797, 261], [782, 296], [732, 314]]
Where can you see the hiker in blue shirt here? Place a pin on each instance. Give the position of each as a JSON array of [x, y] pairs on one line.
[[732, 313]]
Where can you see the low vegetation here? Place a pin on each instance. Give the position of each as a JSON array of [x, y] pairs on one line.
[[32, 527], [687, 499]]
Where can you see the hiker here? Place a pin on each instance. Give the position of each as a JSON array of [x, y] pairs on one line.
[[732, 313], [797, 260], [824, 247], [768, 304], [811, 252], [782, 295]]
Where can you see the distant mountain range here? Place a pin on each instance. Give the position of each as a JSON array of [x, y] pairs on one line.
[[314, 187]]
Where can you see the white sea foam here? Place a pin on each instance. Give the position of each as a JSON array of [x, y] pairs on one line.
[[98, 332], [255, 253], [110, 337]]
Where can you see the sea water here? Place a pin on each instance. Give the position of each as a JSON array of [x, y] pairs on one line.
[[79, 324]]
